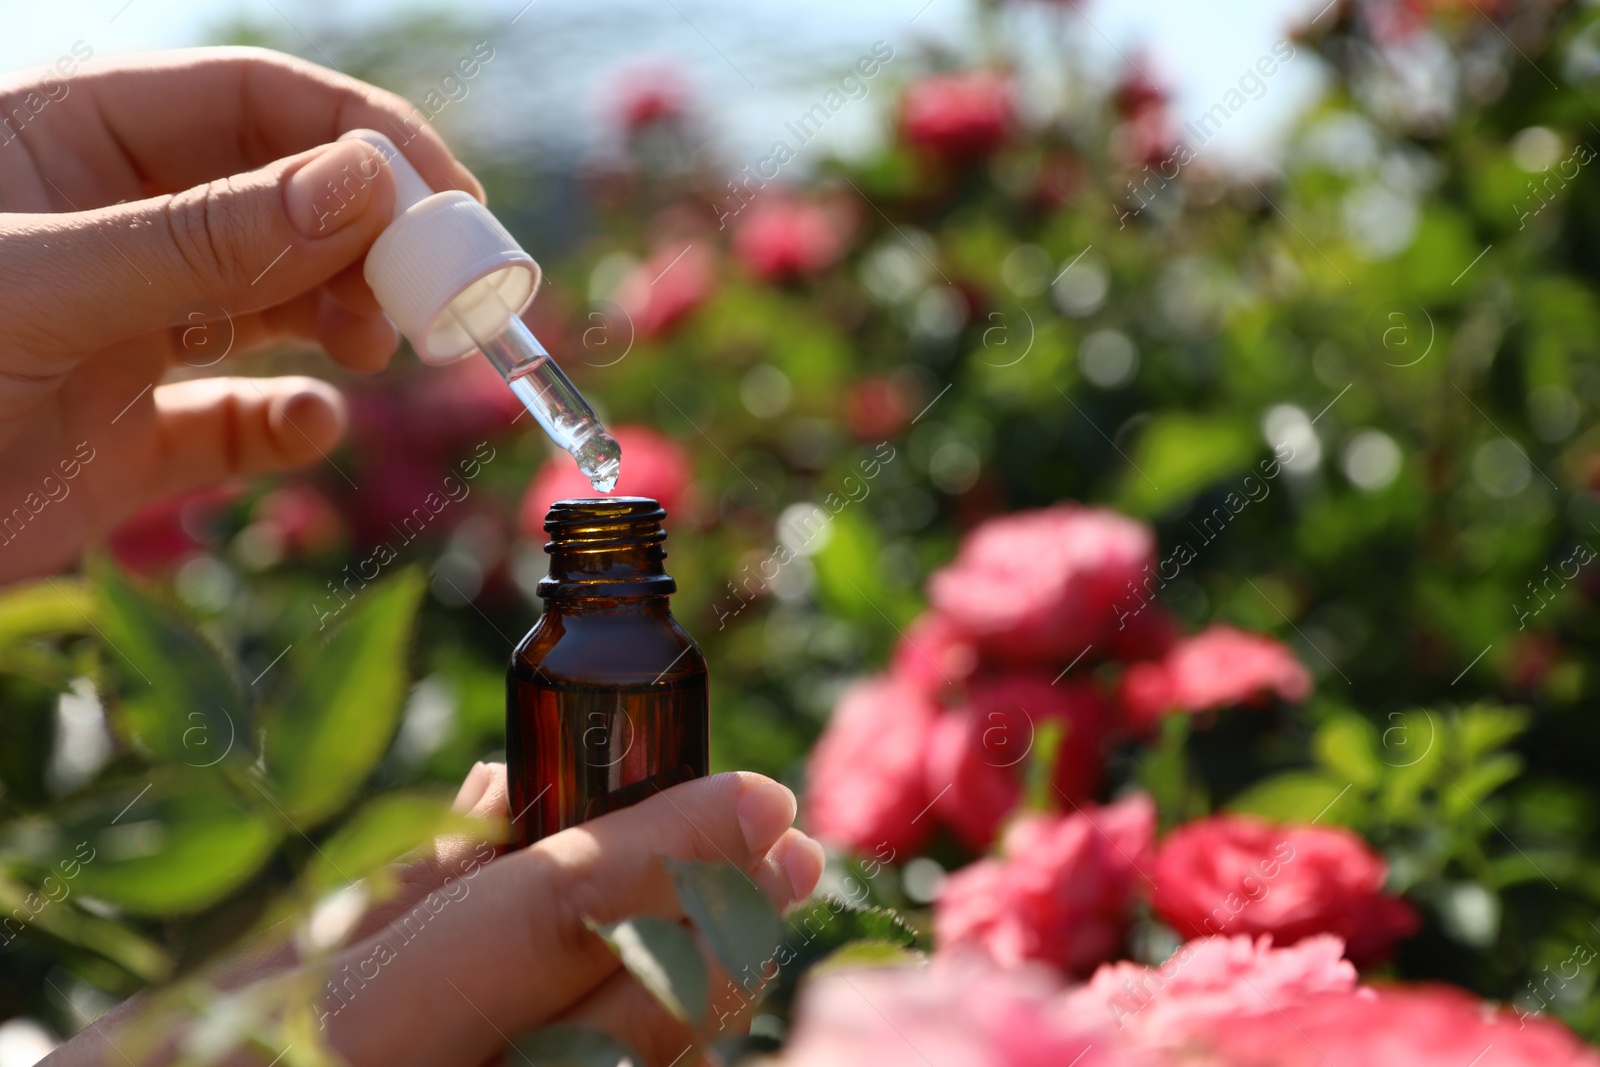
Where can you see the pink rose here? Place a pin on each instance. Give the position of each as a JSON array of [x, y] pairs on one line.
[[978, 752], [1419, 1026], [675, 280], [163, 534], [959, 116], [957, 1010], [450, 409], [1037, 587], [864, 782], [1234, 874], [1149, 634], [1147, 132], [300, 518], [650, 94], [652, 466], [1207, 979], [782, 238], [1217, 668], [1062, 891], [878, 407], [933, 652]]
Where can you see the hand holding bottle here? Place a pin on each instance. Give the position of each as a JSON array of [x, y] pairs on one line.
[[513, 953]]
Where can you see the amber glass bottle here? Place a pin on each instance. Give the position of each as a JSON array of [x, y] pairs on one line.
[[606, 696]]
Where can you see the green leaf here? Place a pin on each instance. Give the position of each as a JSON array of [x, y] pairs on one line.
[[333, 724], [663, 957], [822, 927], [167, 853], [735, 917], [565, 1045], [182, 700], [850, 577], [1471, 787], [1164, 770], [64, 920], [385, 829], [1180, 455], [1039, 791], [1482, 729], [1414, 745], [45, 609], [741, 1048], [1300, 797], [858, 954], [1347, 745]]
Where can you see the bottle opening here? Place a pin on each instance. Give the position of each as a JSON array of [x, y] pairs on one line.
[[606, 547]]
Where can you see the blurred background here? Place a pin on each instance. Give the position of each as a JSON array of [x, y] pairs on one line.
[[986, 278]]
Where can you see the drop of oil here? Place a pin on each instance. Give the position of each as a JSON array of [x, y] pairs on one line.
[[600, 460]]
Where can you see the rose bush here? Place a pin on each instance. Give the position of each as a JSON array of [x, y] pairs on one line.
[[886, 724], [1272, 495], [1217, 668], [1038, 586], [1234, 874], [1061, 890], [1220, 1002], [976, 753]]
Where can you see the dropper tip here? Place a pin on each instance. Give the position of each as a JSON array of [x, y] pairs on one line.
[[600, 460]]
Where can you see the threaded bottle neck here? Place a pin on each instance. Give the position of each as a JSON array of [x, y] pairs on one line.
[[606, 547]]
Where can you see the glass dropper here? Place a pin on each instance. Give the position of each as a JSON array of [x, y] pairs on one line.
[[540, 384], [448, 273]]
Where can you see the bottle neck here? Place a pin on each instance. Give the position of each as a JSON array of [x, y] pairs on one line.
[[605, 550]]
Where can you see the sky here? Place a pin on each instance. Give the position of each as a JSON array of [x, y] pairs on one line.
[[752, 65]]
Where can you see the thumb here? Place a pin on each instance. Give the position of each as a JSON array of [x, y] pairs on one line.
[[238, 244]]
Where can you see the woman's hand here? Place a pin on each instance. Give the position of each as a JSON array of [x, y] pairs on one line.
[[507, 949], [164, 211]]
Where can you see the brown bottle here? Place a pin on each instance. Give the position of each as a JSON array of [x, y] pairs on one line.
[[606, 696]]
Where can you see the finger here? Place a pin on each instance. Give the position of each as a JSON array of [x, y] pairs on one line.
[[472, 789], [363, 343], [349, 287], [172, 120], [361, 340], [481, 796], [470, 970], [242, 244], [212, 429], [792, 868], [494, 802], [200, 339], [623, 1008]]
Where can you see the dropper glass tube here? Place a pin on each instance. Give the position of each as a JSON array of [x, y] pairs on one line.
[[545, 391]]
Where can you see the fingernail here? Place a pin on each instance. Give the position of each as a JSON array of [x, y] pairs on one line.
[[305, 410], [472, 788], [765, 809], [333, 189], [803, 861]]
